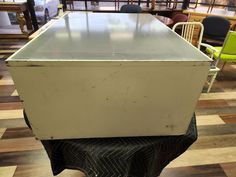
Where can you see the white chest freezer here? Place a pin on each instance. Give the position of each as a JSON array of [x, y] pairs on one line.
[[108, 75]]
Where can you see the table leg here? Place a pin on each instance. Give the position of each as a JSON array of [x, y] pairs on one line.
[[117, 6], [211, 5], [86, 4], [185, 4], [32, 14], [153, 4], [64, 5], [148, 1], [168, 3], [196, 3], [28, 20], [21, 20], [175, 4]]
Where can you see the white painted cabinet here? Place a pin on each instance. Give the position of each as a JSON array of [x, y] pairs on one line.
[[108, 75]]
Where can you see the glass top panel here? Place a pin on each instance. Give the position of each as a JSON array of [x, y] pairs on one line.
[[109, 36]]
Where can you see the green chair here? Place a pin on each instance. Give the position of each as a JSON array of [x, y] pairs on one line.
[[227, 52]]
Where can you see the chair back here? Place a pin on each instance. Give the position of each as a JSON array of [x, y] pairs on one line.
[[130, 8], [187, 31], [216, 27], [229, 46], [179, 18]]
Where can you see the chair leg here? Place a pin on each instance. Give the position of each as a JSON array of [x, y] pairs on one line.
[[211, 6], [223, 66], [211, 82], [175, 4], [86, 4], [139, 2], [72, 4], [217, 61], [168, 3], [195, 5]]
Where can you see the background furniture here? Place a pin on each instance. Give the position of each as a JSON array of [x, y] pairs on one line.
[[211, 6], [71, 4], [186, 30], [167, 21], [227, 52], [179, 18], [172, 4], [192, 7], [213, 69], [215, 29], [130, 8], [198, 16], [22, 16]]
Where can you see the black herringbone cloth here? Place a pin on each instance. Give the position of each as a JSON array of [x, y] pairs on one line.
[[118, 157]]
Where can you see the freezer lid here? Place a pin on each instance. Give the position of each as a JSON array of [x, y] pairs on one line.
[[108, 37]]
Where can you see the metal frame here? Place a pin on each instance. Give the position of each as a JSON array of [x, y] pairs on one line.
[[213, 71], [187, 31]]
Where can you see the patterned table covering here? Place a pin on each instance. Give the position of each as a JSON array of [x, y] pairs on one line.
[[118, 157]]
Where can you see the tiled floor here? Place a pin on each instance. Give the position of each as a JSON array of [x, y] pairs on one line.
[[8, 47]]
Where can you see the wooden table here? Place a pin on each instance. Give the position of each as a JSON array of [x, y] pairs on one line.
[[22, 14], [167, 21]]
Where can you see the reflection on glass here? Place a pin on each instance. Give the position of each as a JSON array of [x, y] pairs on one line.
[[121, 36], [104, 36]]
